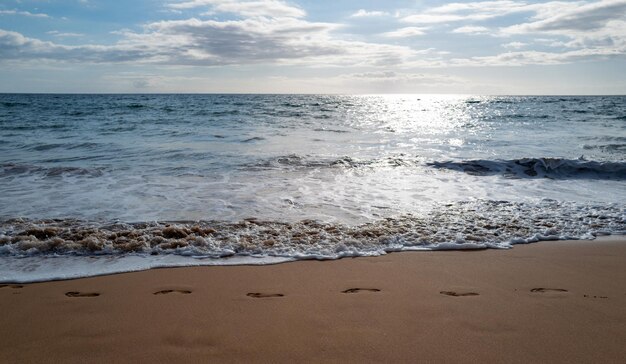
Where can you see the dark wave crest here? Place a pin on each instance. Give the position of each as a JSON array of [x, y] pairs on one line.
[[12, 169], [556, 168]]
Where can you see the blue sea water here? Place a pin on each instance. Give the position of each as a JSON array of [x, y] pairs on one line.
[[153, 180]]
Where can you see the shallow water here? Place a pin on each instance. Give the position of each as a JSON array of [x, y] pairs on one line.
[[305, 176]]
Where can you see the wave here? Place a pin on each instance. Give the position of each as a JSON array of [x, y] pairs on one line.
[[136, 106], [477, 224], [40, 147], [78, 113], [12, 169], [463, 225], [253, 139], [556, 168], [608, 148], [331, 130], [606, 138], [8, 104], [43, 250], [304, 162]]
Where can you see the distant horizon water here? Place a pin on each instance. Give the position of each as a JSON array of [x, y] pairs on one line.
[[443, 94]]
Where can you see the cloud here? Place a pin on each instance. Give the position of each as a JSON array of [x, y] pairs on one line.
[[387, 81], [276, 33], [515, 45], [549, 15], [473, 11], [246, 8], [251, 40], [560, 17], [24, 13], [592, 29], [471, 29], [432, 18], [405, 32], [56, 33], [524, 58], [599, 24], [392, 76], [212, 43], [14, 45], [362, 13]]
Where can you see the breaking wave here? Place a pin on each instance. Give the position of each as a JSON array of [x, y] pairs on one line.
[[298, 161], [463, 225], [555, 168], [12, 169]]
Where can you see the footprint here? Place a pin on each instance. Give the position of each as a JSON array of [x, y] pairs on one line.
[[544, 290], [264, 295], [82, 294], [588, 296], [11, 285], [357, 290], [166, 291], [459, 294]]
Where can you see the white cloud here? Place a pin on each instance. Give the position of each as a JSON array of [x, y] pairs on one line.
[[471, 29], [211, 43], [24, 13], [405, 32], [590, 28], [276, 33], [598, 27], [14, 45], [523, 58], [432, 18], [473, 11], [515, 45], [246, 8], [56, 33], [362, 13], [544, 15], [388, 81], [551, 16], [402, 77], [560, 17]]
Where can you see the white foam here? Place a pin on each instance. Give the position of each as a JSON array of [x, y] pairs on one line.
[[40, 268], [51, 268]]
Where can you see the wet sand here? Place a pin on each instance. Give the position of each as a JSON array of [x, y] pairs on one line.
[[547, 302]]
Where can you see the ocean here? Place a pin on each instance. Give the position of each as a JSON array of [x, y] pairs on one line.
[[98, 184]]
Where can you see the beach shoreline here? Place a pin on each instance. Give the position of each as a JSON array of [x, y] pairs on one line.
[[553, 301]]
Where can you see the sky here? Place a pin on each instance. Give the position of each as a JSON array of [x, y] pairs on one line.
[[313, 46]]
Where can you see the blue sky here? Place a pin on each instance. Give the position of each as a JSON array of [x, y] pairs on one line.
[[314, 46]]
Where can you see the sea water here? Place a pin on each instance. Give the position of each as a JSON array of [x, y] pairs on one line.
[[94, 184]]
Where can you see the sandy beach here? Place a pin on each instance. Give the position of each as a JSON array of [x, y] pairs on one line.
[[557, 301]]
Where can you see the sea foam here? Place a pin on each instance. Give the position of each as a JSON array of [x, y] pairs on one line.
[[458, 226]]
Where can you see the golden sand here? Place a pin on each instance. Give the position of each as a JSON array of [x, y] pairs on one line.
[[551, 302]]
